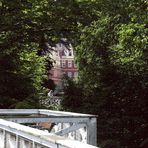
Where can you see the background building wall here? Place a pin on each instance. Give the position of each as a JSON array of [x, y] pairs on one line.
[[64, 64]]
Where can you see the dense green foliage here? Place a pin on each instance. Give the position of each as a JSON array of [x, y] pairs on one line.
[[73, 95], [21, 74], [26, 27], [111, 52], [113, 68]]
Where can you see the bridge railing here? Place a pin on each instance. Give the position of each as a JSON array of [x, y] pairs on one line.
[[14, 135], [81, 127]]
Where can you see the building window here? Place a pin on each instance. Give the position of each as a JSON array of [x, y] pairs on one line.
[[69, 63], [69, 74], [64, 73], [67, 52], [55, 74], [70, 53], [63, 64]]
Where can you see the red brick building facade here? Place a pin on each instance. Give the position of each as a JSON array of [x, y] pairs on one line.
[[64, 64]]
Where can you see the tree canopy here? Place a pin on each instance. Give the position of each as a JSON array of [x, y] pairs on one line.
[[28, 27], [112, 59], [110, 40]]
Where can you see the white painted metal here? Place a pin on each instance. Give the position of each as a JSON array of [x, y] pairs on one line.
[[92, 131], [75, 131], [2, 138], [28, 137], [18, 111], [52, 119], [69, 129], [79, 122], [42, 112], [70, 114]]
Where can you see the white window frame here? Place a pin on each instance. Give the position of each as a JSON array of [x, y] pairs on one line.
[[63, 63], [69, 64], [69, 74]]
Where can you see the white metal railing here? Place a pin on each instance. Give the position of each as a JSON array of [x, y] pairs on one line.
[[76, 126], [14, 135]]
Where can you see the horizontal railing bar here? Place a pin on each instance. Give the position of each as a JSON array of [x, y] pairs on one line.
[[48, 119], [41, 112], [18, 111], [63, 113], [40, 137]]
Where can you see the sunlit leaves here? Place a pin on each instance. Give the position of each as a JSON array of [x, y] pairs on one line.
[[130, 50], [113, 58]]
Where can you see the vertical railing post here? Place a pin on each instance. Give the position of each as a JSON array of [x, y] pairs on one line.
[[33, 144], [11, 140], [4, 139], [92, 131], [17, 141], [24, 144]]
